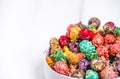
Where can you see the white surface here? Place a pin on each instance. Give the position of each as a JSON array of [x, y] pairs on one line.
[[27, 25]]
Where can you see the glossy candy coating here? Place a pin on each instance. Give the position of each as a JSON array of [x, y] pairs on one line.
[[86, 46], [74, 34], [69, 29], [67, 52], [117, 39], [95, 22], [61, 67], [108, 73], [58, 56], [109, 28], [87, 51], [74, 58], [54, 45], [83, 64], [85, 33], [109, 38], [78, 74], [91, 74], [90, 27], [117, 30], [91, 55], [64, 40], [98, 64], [50, 61], [98, 40], [114, 49], [74, 46], [103, 51]]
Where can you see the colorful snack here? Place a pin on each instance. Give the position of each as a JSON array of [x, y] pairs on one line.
[[74, 58], [103, 51], [117, 39], [109, 28], [108, 73], [50, 61], [78, 74], [98, 64], [58, 56], [64, 40], [61, 67], [69, 29], [92, 28], [98, 40], [86, 46], [117, 30], [67, 52], [74, 46], [83, 64], [91, 74], [86, 52], [85, 33], [95, 22], [74, 34], [114, 49], [109, 38], [91, 55], [54, 45]]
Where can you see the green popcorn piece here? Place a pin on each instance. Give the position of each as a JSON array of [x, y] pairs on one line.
[[90, 27], [58, 56], [86, 46], [91, 74], [91, 54], [117, 30]]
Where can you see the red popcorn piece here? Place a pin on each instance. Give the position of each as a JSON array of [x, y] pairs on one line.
[[98, 40], [109, 38], [103, 51], [61, 67], [85, 33], [64, 40], [108, 73], [111, 24], [114, 49]]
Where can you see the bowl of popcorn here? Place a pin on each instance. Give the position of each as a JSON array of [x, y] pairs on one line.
[[85, 52]]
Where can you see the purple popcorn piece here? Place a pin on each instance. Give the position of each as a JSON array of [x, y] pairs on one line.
[[74, 46], [83, 64]]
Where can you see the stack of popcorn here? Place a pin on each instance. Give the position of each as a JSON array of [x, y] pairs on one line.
[[86, 51]]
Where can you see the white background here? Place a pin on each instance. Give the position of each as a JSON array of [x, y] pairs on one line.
[[27, 25]]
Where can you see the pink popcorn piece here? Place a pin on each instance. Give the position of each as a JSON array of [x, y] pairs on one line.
[[61, 67]]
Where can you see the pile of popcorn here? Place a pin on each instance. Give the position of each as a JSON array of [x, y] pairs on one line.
[[86, 51]]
